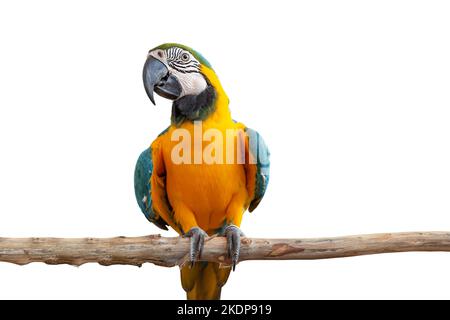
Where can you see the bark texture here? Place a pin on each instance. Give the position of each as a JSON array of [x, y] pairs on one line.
[[169, 252]]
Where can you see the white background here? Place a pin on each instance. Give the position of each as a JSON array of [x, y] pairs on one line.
[[352, 98]]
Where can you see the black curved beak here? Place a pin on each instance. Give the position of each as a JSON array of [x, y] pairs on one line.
[[157, 79]]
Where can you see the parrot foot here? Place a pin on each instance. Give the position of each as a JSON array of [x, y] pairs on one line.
[[233, 234], [197, 237]]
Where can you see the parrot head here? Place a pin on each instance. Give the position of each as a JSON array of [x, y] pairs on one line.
[[174, 71], [179, 73]]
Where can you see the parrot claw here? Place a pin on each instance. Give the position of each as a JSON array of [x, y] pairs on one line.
[[233, 234], [197, 237]]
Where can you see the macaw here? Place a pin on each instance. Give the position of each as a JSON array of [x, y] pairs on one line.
[[198, 198]]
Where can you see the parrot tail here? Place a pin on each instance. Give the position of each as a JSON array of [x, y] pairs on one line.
[[204, 280]]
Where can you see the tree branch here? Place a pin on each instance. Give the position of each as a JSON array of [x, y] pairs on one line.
[[169, 252]]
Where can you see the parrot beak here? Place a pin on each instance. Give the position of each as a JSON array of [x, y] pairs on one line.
[[157, 79]]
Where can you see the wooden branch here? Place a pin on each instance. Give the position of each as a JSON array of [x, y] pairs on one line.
[[169, 252]]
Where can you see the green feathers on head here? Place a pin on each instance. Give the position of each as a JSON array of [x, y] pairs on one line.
[[196, 54]]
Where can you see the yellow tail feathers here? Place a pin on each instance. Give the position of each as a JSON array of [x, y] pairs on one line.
[[204, 280]]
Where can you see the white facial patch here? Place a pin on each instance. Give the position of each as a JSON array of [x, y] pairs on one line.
[[192, 83], [185, 67]]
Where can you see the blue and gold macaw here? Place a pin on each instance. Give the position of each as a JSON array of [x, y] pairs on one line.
[[198, 198]]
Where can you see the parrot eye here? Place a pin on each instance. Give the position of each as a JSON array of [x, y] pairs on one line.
[[185, 57]]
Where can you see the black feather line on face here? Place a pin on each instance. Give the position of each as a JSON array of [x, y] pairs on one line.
[[175, 61], [194, 107], [187, 68], [186, 71]]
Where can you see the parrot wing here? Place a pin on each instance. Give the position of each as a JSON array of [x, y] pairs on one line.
[[257, 167], [143, 188]]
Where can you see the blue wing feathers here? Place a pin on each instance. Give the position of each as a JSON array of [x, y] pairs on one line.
[[260, 151], [142, 187]]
